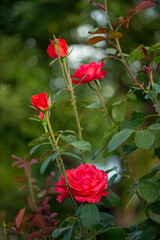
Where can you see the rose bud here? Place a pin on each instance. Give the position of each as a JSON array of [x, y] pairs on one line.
[[40, 101], [62, 48]]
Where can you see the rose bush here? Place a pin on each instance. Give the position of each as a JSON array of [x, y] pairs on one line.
[[40, 102], [88, 72], [86, 183], [62, 48]]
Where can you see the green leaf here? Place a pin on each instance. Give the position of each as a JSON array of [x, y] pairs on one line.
[[82, 145], [89, 215], [35, 147], [105, 219], [112, 129], [111, 51], [156, 207], [143, 235], [114, 34], [155, 126], [68, 235], [119, 111], [129, 148], [133, 192], [94, 105], [119, 139], [112, 233], [149, 192], [135, 55], [155, 47], [157, 88], [149, 95], [69, 138], [128, 124], [72, 155], [138, 115], [55, 96], [39, 139], [148, 175], [111, 180], [144, 139], [157, 152], [58, 231], [48, 160], [55, 60], [95, 154], [113, 199]]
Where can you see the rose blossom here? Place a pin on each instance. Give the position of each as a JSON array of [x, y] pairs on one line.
[[41, 115], [86, 183], [62, 48], [40, 101], [88, 72]]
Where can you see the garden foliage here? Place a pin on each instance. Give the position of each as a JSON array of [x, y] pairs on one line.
[[86, 186]]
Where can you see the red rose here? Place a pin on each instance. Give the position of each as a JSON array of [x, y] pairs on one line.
[[41, 115], [62, 48], [40, 101], [88, 72], [86, 183]]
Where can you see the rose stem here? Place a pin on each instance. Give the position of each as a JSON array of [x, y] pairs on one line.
[[74, 103], [64, 172], [103, 104], [60, 161], [73, 98], [153, 87], [128, 69], [121, 151], [119, 48]]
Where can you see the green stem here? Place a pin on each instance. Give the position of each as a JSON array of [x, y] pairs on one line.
[[59, 160], [119, 48], [73, 98], [123, 158], [155, 95], [50, 140], [103, 105]]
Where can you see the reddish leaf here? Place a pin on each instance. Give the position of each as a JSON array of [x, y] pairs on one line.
[[19, 217], [19, 179], [39, 221], [34, 181], [49, 180], [144, 5], [100, 30], [28, 216], [52, 191], [49, 229], [130, 12], [33, 161], [30, 204], [17, 158], [95, 40], [114, 34], [17, 163], [21, 188], [35, 235]]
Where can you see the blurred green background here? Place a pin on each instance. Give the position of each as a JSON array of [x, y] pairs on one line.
[[26, 29]]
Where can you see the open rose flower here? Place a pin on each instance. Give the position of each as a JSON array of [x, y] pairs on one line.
[[88, 72], [40, 102], [86, 183], [62, 48]]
